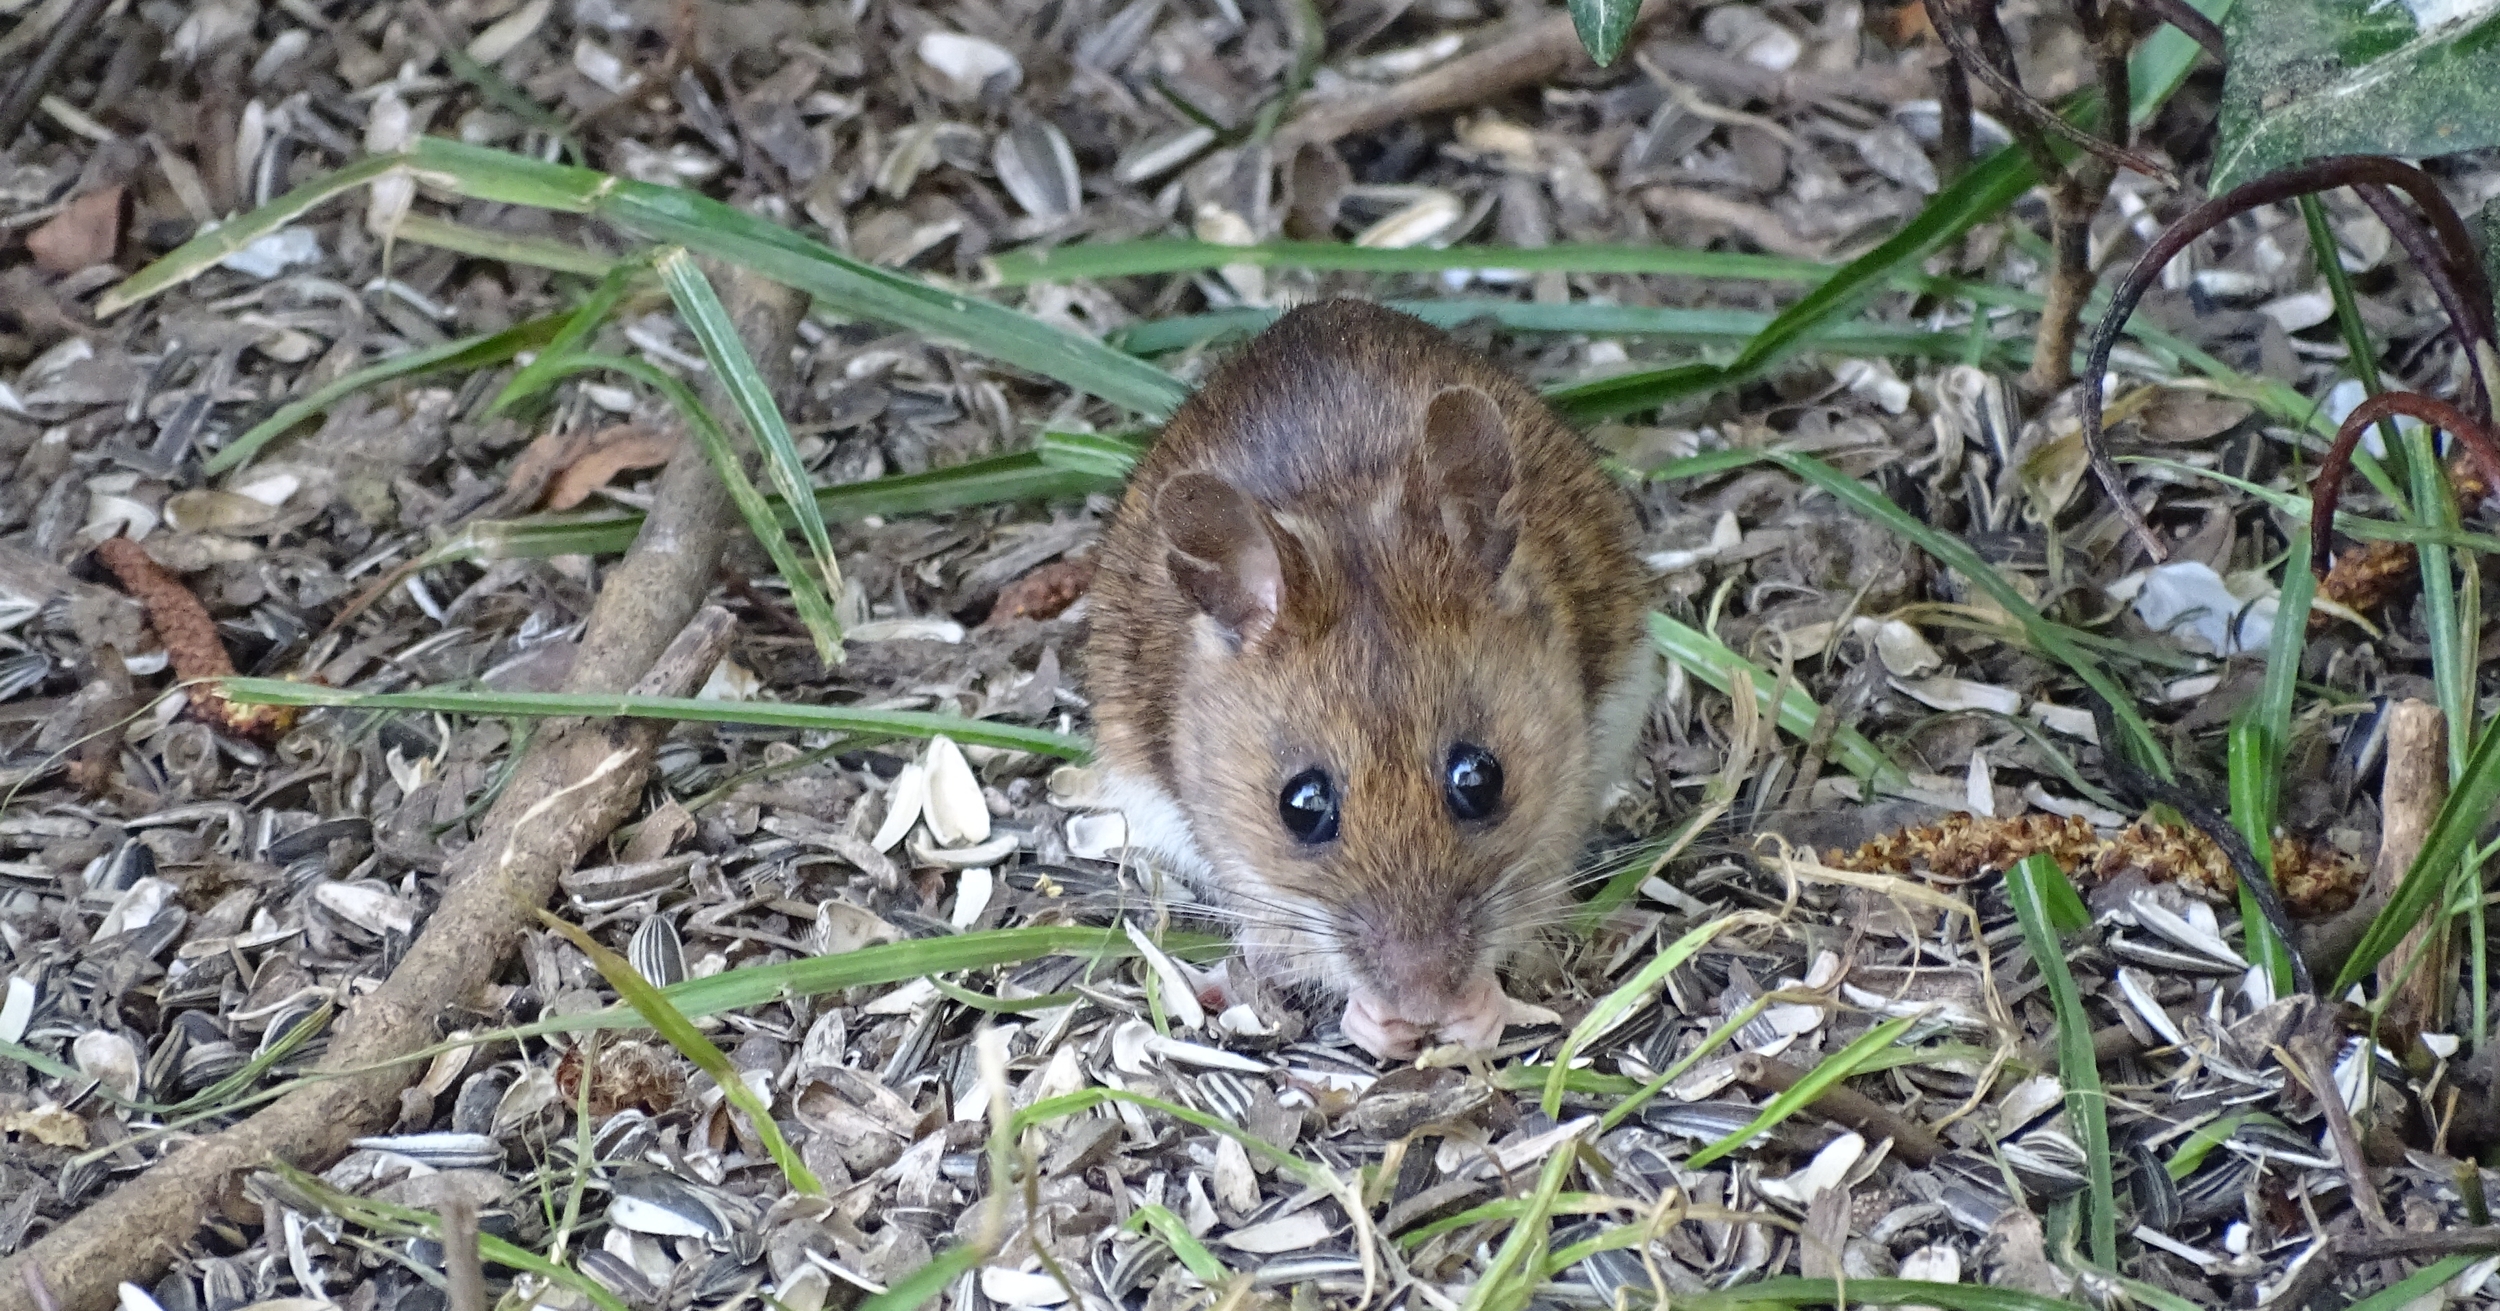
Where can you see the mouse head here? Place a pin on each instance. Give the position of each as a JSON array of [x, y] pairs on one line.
[[1380, 730]]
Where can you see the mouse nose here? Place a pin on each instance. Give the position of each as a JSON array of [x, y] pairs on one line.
[[1427, 976]]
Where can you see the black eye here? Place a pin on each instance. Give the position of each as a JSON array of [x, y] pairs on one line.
[[1308, 805], [1474, 782]]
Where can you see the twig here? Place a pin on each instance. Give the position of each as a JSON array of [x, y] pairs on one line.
[[1991, 61], [2436, 1242], [2316, 175], [46, 65], [2469, 318], [1544, 50], [2185, 17], [574, 783], [1910, 1141], [2305, 1054], [2410, 794], [2327, 491], [461, 1267]]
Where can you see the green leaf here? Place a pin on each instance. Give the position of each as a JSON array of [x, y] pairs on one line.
[[763, 519], [466, 353], [2308, 78], [1834, 1068], [673, 1026], [915, 1289], [836, 719], [542, 372], [2042, 900], [708, 319], [1614, 1005], [1715, 663], [1184, 1244], [1604, 25]]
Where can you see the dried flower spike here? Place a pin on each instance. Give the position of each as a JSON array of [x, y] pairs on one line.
[[191, 644]]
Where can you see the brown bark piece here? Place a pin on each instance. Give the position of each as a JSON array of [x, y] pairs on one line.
[[86, 232], [1537, 53], [2410, 794], [576, 782]]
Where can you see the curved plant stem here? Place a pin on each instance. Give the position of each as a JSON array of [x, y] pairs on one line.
[[2439, 414]]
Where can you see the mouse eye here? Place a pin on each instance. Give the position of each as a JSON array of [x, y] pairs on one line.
[[1473, 784], [1308, 805]]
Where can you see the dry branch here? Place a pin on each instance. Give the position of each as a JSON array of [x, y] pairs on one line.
[[1541, 52], [577, 781]]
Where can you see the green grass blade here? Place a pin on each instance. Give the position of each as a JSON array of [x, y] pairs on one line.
[[1715, 663], [708, 319], [2416, 1287], [2418, 896], [509, 248], [1024, 476], [2254, 783], [201, 253], [2041, 896], [1511, 1277], [1185, 1245], [846, 286], [465, 353], [833, 719], [2294, 506], [1707, 327], [1834, 1068], [914, 1290], [1791, 1292], [807, 592], [1616, 1004], [542, 372], [679, 1032], [1155, 255], [512, 99], [1956, 554], [409, 1222]]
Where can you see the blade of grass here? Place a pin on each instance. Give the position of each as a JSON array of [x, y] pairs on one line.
[[466, 353], [708, 319], [1635, 990], [201, 253], [499, 89], [914, 1290], [1712, 327], [509, 248], [2157, 67], [1870, 1292], [679, 1032], [807, 592], [1510, 1279], [541, 373], [2416, 1287], [2254, 784], [1193, 1254], [2044, 904], [2294, 506], [1714, 663], [677, 216], [1154, 255], [1833, 1069], [2052, 639], [1038, 475], [409, 1222], [533, 705]]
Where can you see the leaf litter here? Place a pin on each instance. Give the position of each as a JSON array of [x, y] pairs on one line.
[[182, 909]]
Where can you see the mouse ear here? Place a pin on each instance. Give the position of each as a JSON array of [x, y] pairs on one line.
[[1222, 555], [1463, 476]]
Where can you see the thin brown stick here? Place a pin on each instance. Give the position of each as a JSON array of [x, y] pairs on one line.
[[2328, 489], [1953, 110], [2317, 175], [2469, 319], [576, 781], [1911, 1142], [461, 1267], [46, 65], [1539, 52], [2410, 794], [2308, 1055]]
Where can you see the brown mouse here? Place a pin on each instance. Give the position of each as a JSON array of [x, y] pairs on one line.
[[1367, 650]]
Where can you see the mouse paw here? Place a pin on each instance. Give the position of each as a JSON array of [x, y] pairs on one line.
[[1375, 1030]]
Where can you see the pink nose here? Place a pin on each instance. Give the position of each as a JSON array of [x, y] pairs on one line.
[[1396, 1025]]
